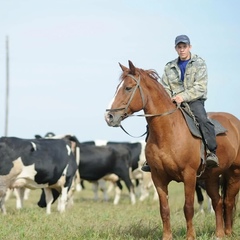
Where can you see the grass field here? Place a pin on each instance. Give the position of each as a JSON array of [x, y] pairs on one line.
[[94, 220]]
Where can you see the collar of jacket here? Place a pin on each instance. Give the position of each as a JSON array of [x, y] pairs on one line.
[[174, 62]]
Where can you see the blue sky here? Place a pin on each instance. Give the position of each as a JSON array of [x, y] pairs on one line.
[[64, 58]]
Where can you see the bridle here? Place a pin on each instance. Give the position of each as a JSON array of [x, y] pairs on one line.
[[142, 97], [131, 97]]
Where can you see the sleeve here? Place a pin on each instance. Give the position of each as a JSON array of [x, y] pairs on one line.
[[164, 81]]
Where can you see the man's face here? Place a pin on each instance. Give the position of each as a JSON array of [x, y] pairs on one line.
[[183, 51]]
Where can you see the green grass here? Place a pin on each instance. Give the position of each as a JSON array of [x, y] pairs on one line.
[[89, 219]]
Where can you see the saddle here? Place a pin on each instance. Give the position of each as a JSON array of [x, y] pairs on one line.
[[193, 124], [194, 129]]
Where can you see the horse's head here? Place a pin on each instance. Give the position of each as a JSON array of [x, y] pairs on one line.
[[129, 97]]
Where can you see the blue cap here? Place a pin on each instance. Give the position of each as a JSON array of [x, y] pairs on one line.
[[182, 39]]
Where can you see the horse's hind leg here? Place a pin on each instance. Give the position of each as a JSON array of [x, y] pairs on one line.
[[229, 201], [212, 188]]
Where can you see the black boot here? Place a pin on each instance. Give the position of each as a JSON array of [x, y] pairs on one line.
[[212, 160], [145, 167]]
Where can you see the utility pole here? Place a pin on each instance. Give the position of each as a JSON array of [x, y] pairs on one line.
[[7, 88]]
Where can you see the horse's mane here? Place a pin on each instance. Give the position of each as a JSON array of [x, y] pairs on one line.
[[150, 73]]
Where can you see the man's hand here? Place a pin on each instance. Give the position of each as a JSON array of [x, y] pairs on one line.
[[177, 99]]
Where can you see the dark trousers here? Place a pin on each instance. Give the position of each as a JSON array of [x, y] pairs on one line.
[[206, 127]]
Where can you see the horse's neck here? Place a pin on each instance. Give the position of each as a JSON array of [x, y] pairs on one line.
[[165, 130], [159, 103], [158, 100]]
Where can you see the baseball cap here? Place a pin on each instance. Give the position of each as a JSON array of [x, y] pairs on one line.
[[182, 39]]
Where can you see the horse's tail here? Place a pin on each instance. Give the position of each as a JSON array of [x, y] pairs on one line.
[[223, 185]]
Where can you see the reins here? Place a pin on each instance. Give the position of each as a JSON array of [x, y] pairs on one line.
[[139, 115], [149, 115], [158, 114], [130, 134]]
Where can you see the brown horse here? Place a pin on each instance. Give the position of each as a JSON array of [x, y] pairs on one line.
[[173, 153]]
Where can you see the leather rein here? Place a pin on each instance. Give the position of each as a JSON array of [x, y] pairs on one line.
[[139, 115]]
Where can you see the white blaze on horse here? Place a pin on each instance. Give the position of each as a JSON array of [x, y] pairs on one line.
[[174, 153]]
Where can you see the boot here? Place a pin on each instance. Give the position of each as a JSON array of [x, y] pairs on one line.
[[145, 167], [212, 160]]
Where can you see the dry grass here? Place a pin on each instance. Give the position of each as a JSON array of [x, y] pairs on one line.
[[88, 219]]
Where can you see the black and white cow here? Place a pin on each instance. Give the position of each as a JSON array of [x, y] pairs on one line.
[[20, 195], [143, 179], [78, 183], [105, 162], [48, 164], [200, 187]]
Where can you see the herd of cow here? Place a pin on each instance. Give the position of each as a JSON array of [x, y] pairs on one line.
[[57, 165]]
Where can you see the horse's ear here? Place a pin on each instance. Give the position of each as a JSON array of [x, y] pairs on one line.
[[122, 67], [131, 67]]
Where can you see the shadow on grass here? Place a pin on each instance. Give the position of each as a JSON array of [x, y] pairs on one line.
[[141, 230], [152, 231]]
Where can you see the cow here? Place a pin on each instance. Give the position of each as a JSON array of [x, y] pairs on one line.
[[143, 179], [105, 162], [78, 184], [200, 185], [47, 164], [20, 194]]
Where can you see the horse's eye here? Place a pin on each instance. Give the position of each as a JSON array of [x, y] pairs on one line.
[[128, 89]]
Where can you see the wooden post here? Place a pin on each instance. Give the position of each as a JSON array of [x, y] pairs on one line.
[[7, 88]]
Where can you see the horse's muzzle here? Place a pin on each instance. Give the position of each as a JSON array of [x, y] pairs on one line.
[[113, 119]]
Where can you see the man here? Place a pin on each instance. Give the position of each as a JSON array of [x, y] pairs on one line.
[[185, 80]]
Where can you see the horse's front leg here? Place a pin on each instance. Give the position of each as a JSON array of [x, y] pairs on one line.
[[162, 190], [189, 190]]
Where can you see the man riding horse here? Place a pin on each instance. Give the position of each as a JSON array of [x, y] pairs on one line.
[[185, 80]]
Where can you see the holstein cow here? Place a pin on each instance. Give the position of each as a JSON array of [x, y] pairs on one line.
[[77, 185], [20, 194], [137, 149], [37, 163], [105, 162], [200, 185]]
